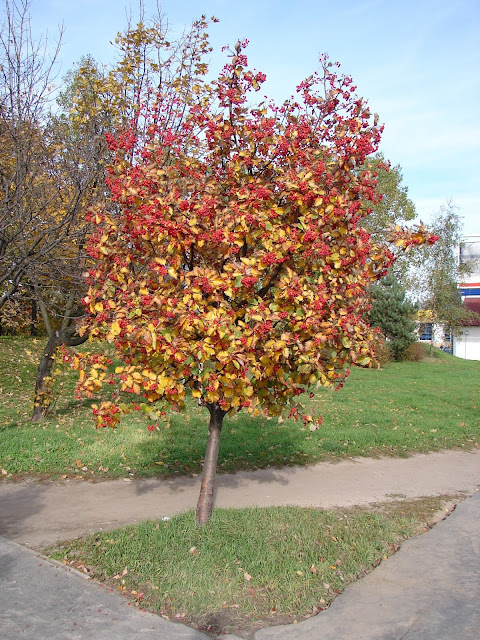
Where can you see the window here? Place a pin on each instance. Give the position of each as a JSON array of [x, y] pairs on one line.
[[425, 331]]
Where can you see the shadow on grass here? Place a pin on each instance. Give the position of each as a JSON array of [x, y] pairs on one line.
[[247, 444]]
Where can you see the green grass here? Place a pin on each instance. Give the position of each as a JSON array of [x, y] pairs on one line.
[[247, 567], [406, 407]]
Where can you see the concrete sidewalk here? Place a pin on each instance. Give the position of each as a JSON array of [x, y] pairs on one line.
[[37, 514], [41, 600], [429, 590]]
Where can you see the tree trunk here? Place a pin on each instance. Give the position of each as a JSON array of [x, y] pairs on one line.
[[43, 389], [207, 490], [44, 374], [33, 318]]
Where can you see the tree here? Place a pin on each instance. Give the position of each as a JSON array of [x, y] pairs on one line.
[[235, 266], [149, 63], [393, 208], [52, 165], [46, 178], [393, 314], [26, 202], [437, 272]]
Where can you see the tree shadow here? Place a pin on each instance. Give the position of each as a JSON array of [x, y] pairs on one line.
[[248, 449], [18, 503]]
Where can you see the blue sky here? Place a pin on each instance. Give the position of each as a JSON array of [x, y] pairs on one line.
[[417, 63]]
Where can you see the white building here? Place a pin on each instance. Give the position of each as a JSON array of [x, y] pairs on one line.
[[466, 342]]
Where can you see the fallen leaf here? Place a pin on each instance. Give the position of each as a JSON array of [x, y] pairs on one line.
[[247, 576]]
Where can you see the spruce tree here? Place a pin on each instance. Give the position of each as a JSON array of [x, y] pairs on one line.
[[392, 313]]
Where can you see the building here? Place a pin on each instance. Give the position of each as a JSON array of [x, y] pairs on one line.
[[466, 341]]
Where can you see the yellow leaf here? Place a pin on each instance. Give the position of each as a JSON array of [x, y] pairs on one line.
[[116, 329]]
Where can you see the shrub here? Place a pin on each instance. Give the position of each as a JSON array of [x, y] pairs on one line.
[[383, 353], [415, 352]]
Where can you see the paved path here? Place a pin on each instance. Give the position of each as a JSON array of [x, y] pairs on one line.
[[36, 514], [41, 600], [429, 590]]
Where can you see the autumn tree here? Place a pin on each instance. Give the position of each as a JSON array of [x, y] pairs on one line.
[[393, 314], [236, 265], [45, 178]]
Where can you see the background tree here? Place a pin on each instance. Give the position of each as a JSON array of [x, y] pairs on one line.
[[149, 62], [393, 208], [52, 164], [435, 274], [26, 202], [393, 314], [45, 177], [235, 267]]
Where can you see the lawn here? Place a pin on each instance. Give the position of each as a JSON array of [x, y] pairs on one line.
[[404, 408], [246, 568]]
